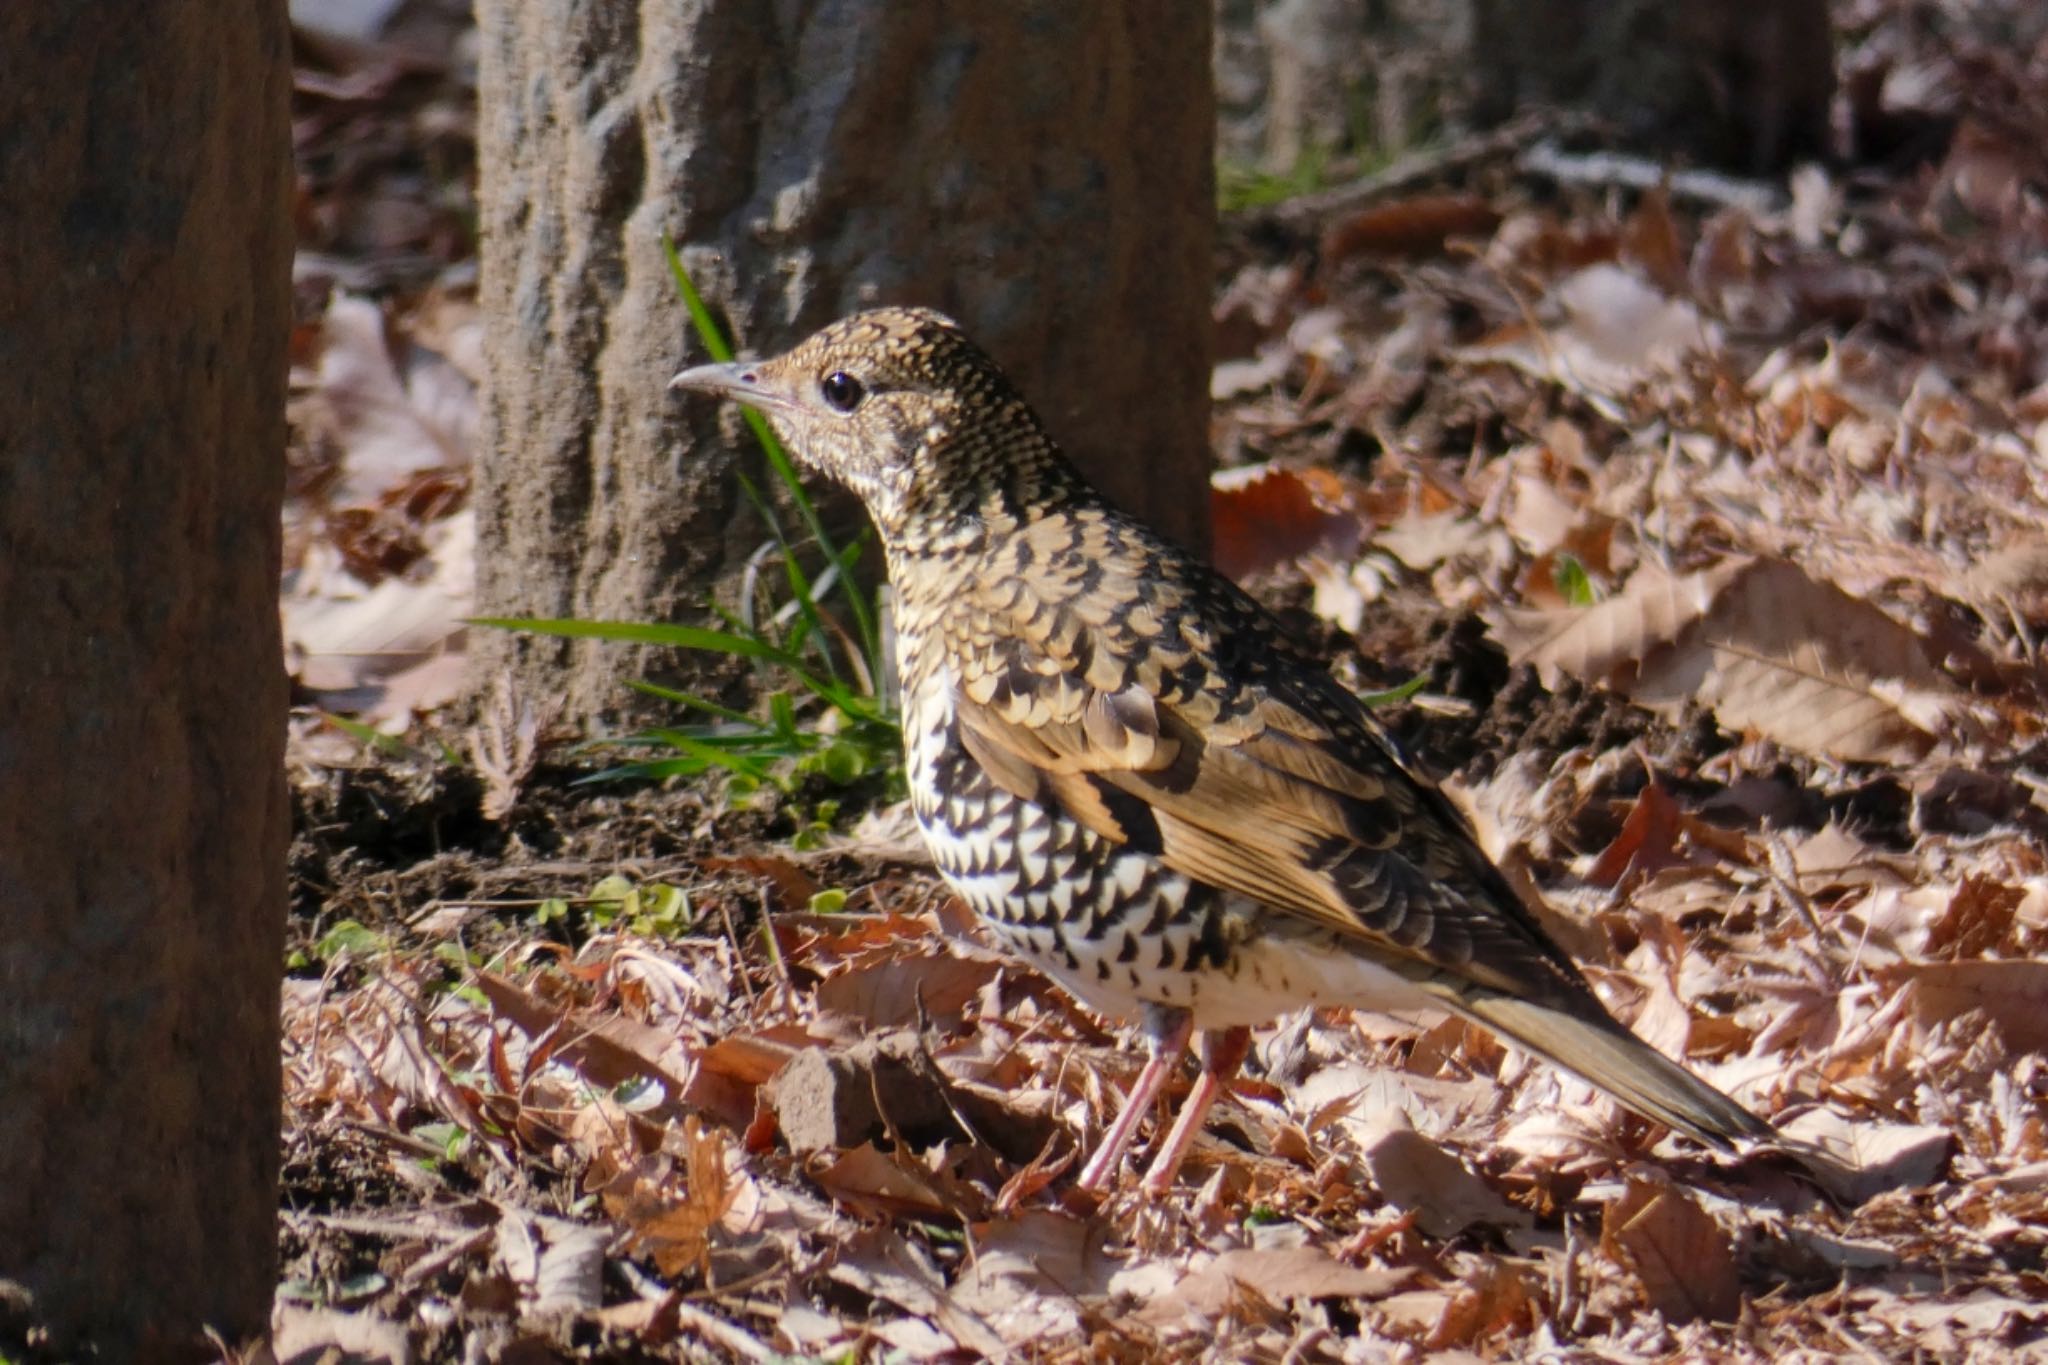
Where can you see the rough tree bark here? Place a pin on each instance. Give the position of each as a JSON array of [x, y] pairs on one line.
[[144, 314], [1040, 169]]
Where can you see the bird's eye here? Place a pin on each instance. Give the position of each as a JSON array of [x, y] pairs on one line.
[[842, 391]]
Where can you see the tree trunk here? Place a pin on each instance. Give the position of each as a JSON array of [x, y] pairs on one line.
[[1039, 169], [1725, 83], [146, 295], [1729, 83]]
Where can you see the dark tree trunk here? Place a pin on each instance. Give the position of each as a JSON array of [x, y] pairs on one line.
[[1725, 83], [1728, 83], [144, 314], [1038, 168]]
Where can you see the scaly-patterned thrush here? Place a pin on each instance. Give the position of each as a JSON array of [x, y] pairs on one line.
[[1122, 765]]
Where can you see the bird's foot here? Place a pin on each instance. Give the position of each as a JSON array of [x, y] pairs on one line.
[[1222, 1053], [1167, 1032]]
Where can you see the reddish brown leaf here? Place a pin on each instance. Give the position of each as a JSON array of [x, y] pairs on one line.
[[1979, 919], [1421, 226], [1498, 1300], [609, 1050], [1651, 239], [752, 1058], [1647, 843], [794, 887], [869, 1179], [1269, 516], [889, 994]]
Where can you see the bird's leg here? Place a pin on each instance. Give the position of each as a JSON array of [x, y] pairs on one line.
[[1167, 1030], [1222, 1053]]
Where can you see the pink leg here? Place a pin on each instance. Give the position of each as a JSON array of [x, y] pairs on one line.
[[1167, 1030], [1222, 1054]]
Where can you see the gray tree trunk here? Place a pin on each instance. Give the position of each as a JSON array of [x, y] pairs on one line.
[[1038, 168], [146, 299]]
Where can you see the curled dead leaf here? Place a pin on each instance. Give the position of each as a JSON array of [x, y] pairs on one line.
[[1866, 1157]]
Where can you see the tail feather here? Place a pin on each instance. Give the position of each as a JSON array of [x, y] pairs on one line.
[[1606, 1055]]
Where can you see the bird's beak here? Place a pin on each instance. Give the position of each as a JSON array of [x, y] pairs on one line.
[[730, 381], [743, 382]]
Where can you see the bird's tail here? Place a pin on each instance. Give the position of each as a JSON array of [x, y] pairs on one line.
[[1606, 1055]]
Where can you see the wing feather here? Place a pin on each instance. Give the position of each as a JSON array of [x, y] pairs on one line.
[[1270, 804]]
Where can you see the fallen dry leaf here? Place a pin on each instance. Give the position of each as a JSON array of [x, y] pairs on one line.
[[1979, 920], [1952, 1329], [672, 1220], [608, 1050], [1678, 1254], [1646, 844], [1497, 1300], [794, 887], [885, 1266], [1408, 227], [890, 994], [1616, 330], [390, 426], [2013, 994], [1030, 1271], [1769, 649], [1265, 516], [346, 642], [1875, 1156], [1276, 1274], [1417, 1175], [869, 1179]]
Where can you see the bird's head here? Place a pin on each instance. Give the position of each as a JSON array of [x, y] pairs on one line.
[[899, 406]]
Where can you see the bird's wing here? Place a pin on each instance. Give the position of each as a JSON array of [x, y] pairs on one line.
[[1290, 800]]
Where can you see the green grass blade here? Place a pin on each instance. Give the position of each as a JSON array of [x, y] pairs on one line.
[[670, 635], [654, 770], [745, 763], [756, 745], [370, 737], [644, 633], [778, 459], [799, 585], [700, 316], [690, 699], [1396, 694]]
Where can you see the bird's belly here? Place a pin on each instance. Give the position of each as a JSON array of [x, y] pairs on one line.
[[1257, 984], [1116, 927]]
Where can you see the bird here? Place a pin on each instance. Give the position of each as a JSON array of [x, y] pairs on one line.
[[1142, 786]]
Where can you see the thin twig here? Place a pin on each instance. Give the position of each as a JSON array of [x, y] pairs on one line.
[[1420, 167], [1546, 158]]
